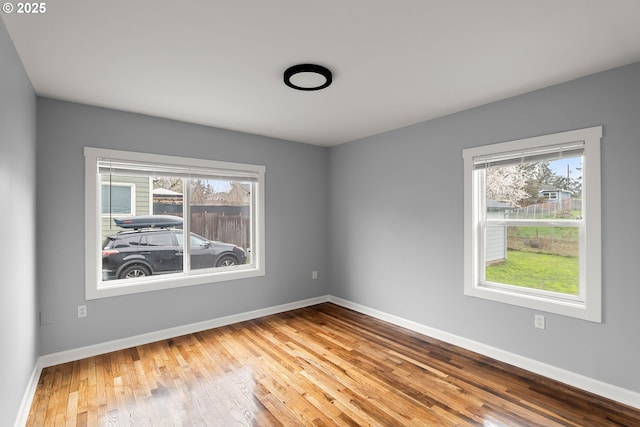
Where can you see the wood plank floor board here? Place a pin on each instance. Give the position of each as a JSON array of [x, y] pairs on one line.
[[318, 366]]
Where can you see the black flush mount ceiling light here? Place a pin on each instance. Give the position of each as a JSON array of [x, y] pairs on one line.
[[307, 77]]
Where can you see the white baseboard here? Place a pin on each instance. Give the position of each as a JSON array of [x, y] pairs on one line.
[[27, 399], [591, 385], [600, 388]]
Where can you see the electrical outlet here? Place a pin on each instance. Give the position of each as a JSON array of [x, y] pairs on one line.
[[539, 321], [82, 311], [314, 275]]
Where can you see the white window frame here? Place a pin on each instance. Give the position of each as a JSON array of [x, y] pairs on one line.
[[94, 285], [588, 304]]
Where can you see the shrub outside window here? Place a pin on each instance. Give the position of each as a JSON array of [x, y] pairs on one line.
[[157, 222], [532, 223]]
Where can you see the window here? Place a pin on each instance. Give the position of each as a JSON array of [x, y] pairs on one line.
[[532, 223], [118, 198], [157, 222]]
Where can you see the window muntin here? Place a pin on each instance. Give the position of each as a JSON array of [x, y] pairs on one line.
[[192, 189], [523, 247]]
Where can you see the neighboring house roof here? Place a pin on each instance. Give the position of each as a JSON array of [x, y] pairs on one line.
[[166, 192], [545, 188]]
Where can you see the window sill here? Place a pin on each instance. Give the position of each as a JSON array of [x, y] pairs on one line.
[[565, 307], [155, 283]]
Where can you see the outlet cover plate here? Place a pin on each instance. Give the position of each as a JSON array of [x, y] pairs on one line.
[[539, 321]]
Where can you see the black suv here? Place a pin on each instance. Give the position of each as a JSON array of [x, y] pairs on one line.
[[154, 247]]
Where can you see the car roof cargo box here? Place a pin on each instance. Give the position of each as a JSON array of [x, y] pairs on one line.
[[148, 221]]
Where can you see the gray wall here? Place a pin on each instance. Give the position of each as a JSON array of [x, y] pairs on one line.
[[409, 262], [18, 311], [296, 238]]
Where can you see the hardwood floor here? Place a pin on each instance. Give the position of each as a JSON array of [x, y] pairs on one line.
[[317, 366]]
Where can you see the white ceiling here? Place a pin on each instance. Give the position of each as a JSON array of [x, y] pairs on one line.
[[395, 63]]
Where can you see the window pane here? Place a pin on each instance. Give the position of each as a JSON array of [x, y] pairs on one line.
[[142, 246], [550, 189], [543, 258], [220, 222]]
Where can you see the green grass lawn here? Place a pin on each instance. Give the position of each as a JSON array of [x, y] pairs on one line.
[[537, 271], [564, 233]]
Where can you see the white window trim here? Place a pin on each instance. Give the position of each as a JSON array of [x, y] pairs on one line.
[[132, 195], [93, 256], [589, 304]]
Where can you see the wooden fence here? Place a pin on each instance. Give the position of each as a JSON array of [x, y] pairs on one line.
[[229, 224], [234, 229]]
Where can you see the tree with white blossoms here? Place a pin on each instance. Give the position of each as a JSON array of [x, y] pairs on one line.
[[506, 184]]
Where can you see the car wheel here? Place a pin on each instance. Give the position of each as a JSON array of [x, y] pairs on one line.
[[227, 261], [134, 271]]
